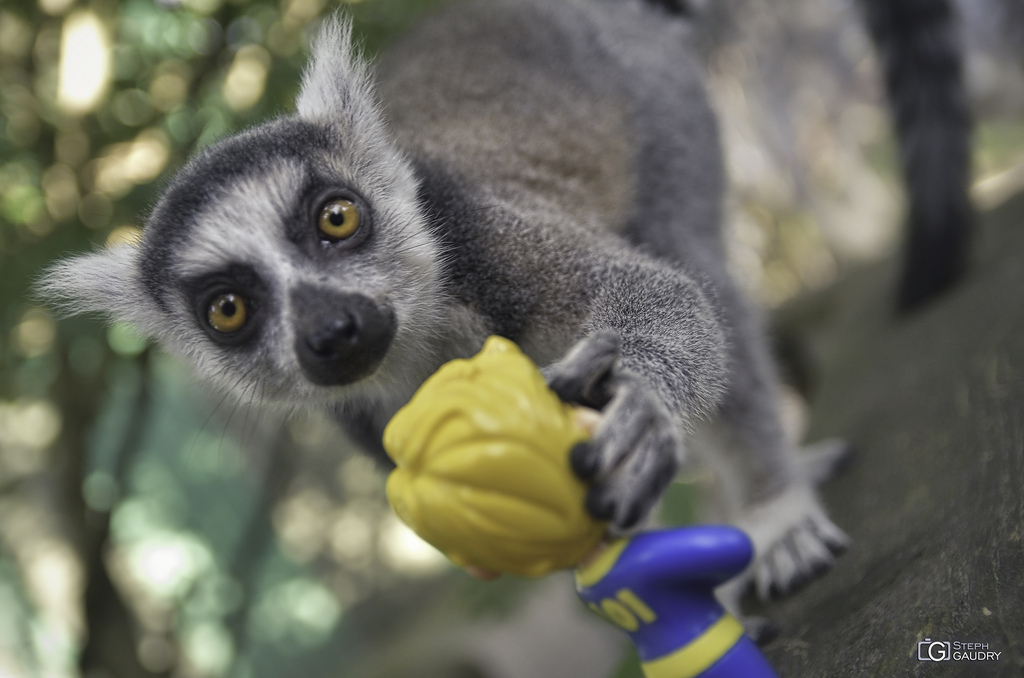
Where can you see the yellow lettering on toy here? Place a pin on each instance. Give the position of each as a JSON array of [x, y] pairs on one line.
[[626, 610], [618, 613], [598, 611], [639, 607]]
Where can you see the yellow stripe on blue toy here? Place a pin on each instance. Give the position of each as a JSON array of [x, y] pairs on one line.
[[695, 658], [595, 570]]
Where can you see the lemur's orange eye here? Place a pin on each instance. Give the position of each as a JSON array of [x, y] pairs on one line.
[[227, 313], [339, 219]]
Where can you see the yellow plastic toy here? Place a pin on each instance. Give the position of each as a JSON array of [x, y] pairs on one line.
[[482, 454]]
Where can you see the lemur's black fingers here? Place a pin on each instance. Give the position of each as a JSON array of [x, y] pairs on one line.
[[583, 376], [629, 418], [600, 503], [625, 496], [584, 460], [663, 470], [632, 457]]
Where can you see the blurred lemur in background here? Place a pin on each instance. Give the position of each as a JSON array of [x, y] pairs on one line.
[[546, 170]]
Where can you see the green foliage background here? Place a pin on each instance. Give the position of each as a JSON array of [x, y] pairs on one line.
[[111, 463], [147, 526]]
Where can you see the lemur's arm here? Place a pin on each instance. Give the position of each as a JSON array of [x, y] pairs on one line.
[[649, 350], [652, 358]]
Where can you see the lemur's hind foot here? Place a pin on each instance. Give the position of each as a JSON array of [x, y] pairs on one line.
[[795, 542], [794, 539]]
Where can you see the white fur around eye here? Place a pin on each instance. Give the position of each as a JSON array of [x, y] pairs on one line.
[[245, 224]]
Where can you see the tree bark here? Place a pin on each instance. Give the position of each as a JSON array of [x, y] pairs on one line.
[[933, 404]]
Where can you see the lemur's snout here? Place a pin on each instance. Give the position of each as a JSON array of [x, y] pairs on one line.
[[339, 337]]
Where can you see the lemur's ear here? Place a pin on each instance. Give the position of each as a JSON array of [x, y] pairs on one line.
[[338, 92], [337, 82], [107, 281]]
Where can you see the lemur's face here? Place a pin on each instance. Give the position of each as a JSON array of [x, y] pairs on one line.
[[287, 262], [290, 263]]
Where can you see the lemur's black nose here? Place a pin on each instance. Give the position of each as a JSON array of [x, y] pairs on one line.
[[340, 337], [335, 336]]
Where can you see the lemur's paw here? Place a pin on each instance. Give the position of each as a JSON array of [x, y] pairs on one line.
[[794, 540], [634, 452]]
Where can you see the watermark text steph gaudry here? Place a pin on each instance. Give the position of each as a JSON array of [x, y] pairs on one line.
[[929, 650]]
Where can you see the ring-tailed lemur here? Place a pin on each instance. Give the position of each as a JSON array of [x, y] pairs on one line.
[[546, 170]]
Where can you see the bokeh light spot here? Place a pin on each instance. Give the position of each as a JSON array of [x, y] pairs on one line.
[[204, 36], [209, 648], [156, 654], [23, 204], [124, 235], [125, 340], [132, 107], [84, 63], [352, 535], [131, 163], [60, 184], [247, 78], [27, 428], [301, 523], [169, 87], [299, 611], [406, 552], [71, 147], [168, 563], [202, 6], [95, 210], [55, 7], [35, 334], [15, 35], [100, 490]]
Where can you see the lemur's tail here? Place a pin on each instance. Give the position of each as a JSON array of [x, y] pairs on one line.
[[919, 46]]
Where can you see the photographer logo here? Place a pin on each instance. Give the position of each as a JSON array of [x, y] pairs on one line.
[[929, 650]]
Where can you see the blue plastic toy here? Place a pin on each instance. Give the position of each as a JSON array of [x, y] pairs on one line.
[[659, 587]]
